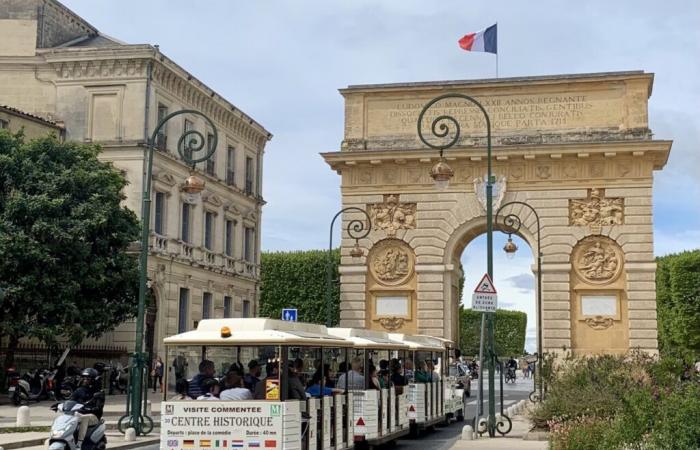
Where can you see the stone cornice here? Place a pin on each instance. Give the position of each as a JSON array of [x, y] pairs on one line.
[[655, 150], [131, 61]]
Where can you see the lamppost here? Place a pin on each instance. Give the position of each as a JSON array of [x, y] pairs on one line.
[[512, 223], [441, 174], [188, 145], [357, 229]]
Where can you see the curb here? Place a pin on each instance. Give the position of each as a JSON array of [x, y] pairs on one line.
[[40, 441]]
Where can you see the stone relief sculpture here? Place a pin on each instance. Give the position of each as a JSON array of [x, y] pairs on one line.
[[599, 322], [499, 191], [392, 215], [596, 210], [391, 323], [598, 261], [392, 262]]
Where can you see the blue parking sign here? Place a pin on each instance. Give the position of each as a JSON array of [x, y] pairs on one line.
[[289, 314]]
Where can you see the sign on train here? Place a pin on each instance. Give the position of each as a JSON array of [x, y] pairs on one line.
[[485, 298], [289, 314], [187, 425]]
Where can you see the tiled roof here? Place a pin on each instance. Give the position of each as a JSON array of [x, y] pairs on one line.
[[18, 112]]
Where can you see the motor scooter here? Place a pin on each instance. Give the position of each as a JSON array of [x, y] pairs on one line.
[[12, 377], [64, 430], [117, 378], [33, 386]]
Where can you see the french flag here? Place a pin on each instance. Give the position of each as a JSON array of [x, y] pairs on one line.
[[482, 41]]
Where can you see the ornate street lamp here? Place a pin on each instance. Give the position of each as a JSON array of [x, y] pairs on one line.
[[357, 229], [441, 173], [190, 143], [512, 223]]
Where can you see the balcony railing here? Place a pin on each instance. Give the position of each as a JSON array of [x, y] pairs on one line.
[[162, 142], [230, 177], [186, 250]]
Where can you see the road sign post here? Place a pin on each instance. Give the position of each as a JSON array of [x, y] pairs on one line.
[[289, 314], [485, 298]]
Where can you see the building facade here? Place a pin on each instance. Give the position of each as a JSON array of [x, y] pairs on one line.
[[577, 149], [204, 253], [31, 126]]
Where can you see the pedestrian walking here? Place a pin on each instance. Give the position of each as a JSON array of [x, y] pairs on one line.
[[157, 373]]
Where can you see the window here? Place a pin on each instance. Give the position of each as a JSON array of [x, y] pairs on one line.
[[230, 232], [246, 308], [182, 310], [227, 306], [231, 166], [162, 136], [209, 230], [248, 175], [159, 214], [249, 244], [206, 305], [188, 126], [185, 235], [4, 124], [211, 162]]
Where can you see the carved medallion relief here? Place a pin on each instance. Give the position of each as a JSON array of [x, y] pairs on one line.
[[597, 210], [392, 263], [391, 215], [598, 260]]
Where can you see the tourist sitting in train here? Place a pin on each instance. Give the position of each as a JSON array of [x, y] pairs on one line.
[[384, 374], [271, 373], [251, 379], [430, 367], [233, 388], [421, 374], [354, 378], [374, 382], [315, 389], [236, 367], [206, 371], [316, 378], [295, 387], [210, 389], [397, 378], [181, 388], [408, 369]]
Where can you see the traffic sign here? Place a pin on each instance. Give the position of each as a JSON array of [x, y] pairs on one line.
[[485, 298], [289, 314]]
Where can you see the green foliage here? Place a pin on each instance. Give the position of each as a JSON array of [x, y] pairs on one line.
[[510, 327], [63, 233], [298, 280], [613, 402], [6, 430], [678, 303]]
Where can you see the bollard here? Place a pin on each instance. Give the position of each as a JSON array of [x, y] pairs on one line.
[[148, 408], [130, 435], [23, 417], [467, 433]]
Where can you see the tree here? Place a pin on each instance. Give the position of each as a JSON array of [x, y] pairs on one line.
[[64, 272], [678, 303], [510, 327], [298, 280]]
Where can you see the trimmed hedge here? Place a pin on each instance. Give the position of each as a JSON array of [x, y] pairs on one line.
[[510, 327], [678, 303], [298, 280]]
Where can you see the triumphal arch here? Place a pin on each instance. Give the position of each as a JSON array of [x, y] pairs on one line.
[[576, 148]]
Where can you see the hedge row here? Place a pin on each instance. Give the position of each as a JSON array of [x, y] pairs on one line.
[[298, 280], [678, 303], [510, 327]]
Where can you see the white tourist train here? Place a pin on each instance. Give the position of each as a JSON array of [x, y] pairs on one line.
[[270, 384]]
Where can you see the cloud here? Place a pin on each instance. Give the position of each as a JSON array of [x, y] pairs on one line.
[[525, 282]]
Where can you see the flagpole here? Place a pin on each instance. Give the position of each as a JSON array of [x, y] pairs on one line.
[[496, 50]]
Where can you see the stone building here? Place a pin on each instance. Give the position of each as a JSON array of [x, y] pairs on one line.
[[576, 148], [205, 253], [31, 126]]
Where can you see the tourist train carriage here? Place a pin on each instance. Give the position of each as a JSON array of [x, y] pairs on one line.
[[454, 396], [425, 389], [277, 422], [380, 415]]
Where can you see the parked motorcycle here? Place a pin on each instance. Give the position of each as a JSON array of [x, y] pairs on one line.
[[12, 377], [64, 430], [33, 386], [117, 378]]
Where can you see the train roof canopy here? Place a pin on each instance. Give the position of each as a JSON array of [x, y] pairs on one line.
[[257, 331], [362, 338]]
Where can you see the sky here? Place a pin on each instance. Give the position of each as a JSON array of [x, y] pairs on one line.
[[282, 63]]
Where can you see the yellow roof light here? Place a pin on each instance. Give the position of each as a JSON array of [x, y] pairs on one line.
[[225, 332]]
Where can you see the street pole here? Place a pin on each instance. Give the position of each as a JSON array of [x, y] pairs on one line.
[[513, 223], [441, 173], [189, 143], [357, 229]]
